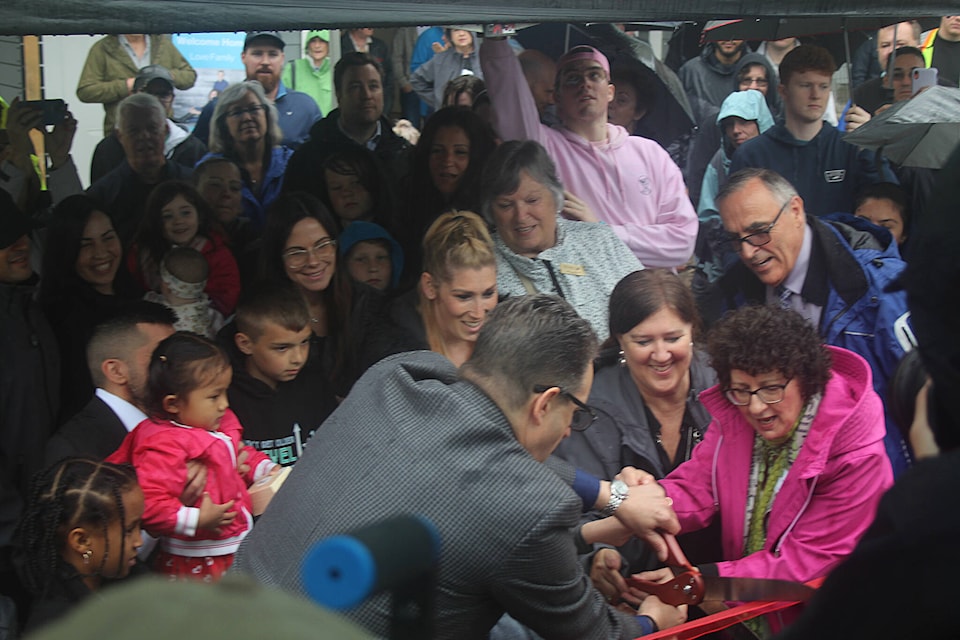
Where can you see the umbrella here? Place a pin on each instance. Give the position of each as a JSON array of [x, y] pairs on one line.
[[820, 28], [920, 132]]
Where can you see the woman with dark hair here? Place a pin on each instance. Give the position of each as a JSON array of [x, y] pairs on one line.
[[246, 129], [83, 284], [645, 390], [80, 529], [448, 162], [540, 251], [350, 330], [793, 465], [354, 187], [176, 215]]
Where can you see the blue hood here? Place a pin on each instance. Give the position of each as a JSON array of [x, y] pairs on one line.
[[358, 231]]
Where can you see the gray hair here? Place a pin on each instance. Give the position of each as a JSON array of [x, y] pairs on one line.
[[779, 186], [527, 341], [502, 173], [141, 101], [220, 139]]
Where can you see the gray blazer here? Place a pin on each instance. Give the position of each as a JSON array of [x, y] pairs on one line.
[[412, 437]]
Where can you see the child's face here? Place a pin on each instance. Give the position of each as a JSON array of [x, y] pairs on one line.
[[180, 221], [369, 262], [203, 407], [123, 536], [350, 199], [278, 355]]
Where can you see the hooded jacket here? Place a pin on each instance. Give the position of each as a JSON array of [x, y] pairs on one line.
[[826, 171], [708, 138], [748, 105], [316, 82], [630, 182], [361, 231], [827, 499], [706, 80]]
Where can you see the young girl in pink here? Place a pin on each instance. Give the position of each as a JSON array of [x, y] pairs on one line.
[[177, 216], [189, 420]]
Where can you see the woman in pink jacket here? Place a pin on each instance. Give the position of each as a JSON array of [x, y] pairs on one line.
[[794, 463]]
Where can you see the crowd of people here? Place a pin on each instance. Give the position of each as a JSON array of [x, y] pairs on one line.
[[563, 323]]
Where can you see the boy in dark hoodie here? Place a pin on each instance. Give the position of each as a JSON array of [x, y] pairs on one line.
[[279, 402]]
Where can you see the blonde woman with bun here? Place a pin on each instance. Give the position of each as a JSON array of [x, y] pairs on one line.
[[457, 288]]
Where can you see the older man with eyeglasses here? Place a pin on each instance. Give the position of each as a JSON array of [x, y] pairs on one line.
[[832, 272]]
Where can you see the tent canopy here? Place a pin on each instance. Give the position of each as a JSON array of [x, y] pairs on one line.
[[63, 17]]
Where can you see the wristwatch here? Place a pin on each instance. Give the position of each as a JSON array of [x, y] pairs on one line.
[[618, 493]]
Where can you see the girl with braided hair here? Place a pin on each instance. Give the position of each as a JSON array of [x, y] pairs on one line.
[[80, 529]]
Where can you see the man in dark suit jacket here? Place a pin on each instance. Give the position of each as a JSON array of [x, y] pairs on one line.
[[118, 355], [465, 449]]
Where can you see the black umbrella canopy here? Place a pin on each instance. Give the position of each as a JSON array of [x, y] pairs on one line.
[[55, 17]]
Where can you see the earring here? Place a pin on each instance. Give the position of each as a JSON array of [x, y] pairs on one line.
[[622, 360], [691, 343], [86, 556]]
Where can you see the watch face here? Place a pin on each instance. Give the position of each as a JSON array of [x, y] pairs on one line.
[[619, 487]]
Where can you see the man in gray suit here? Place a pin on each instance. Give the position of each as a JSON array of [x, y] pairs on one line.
[[466, 450]]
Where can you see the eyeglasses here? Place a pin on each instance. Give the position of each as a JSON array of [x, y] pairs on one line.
[[770, 394], [583, 416], [574, 78], [297, 258], [758, 238], [749, 82], [253, 110]]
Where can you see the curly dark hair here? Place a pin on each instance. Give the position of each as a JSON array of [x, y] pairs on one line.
[[760, 339]]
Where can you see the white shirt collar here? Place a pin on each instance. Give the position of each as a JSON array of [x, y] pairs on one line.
[[129, 415]]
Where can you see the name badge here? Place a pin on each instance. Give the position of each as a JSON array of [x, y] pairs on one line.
[[568, 269]]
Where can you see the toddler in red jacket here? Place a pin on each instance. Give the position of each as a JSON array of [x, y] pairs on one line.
[[190, 420]]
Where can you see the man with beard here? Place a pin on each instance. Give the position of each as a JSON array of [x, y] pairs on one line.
[[707, 78], [142, 131], [263, 60], [118, 355]]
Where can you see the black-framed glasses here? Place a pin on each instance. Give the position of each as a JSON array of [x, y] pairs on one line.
[[253, 110], [769, 394], [297, 258], [758, 238], [583, 416]]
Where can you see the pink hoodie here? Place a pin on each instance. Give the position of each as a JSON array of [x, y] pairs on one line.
[[630, 182]]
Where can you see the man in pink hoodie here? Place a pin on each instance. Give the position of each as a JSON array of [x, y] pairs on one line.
[[626, 181]]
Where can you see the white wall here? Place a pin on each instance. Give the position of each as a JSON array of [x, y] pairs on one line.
[[63, 58]]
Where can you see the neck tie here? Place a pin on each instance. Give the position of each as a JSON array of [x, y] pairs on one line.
[[783, 295]]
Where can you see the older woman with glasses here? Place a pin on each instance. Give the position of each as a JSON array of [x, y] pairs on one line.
[[349, 319], [793, 465], [246, 130]]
